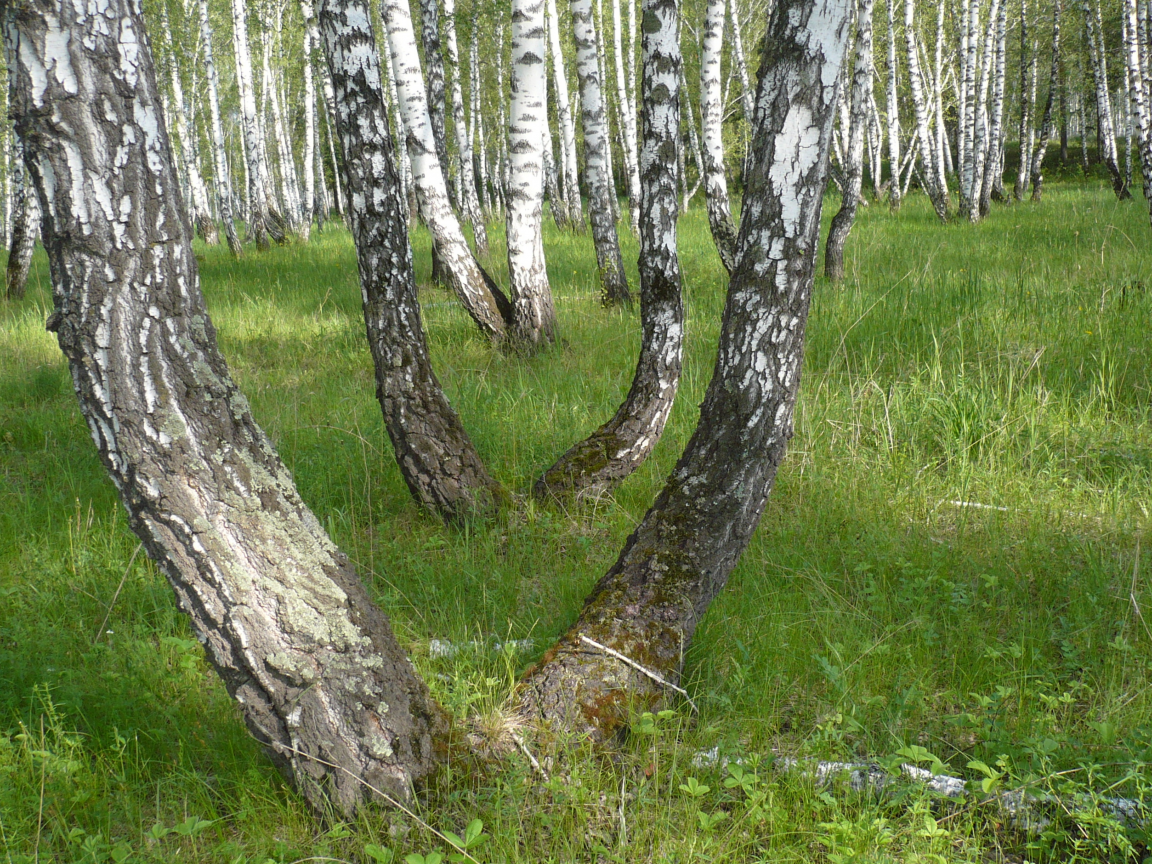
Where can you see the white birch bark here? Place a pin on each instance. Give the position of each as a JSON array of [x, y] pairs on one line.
[[401, 147], [739, 61], [311, 40], [289, 187], [1047, 125], [1135, 56], [469, 201], [626, 112], [566, 121], [893, 109], [966, 135], [480, 296], [994, 166], [1097, 55], [712, 120], [938, 195], [980, 140], [533, 315]]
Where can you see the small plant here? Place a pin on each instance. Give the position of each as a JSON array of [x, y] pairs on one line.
[[381, 854], [474, 837]]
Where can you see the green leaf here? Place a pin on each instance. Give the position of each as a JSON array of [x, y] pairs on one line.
[[157, 832], [695, 788], [474, 833], [378, 853]]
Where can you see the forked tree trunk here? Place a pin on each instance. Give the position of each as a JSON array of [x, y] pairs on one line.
[[533, 315], [313, 664], [223, 182], [649, 603], [594, 119], [25, 227], [476, 290], [1047, 124], [618, 447], [712, 120], [438, 461], [854, 167]]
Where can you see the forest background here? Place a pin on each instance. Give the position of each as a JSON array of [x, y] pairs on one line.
[[951, 560]]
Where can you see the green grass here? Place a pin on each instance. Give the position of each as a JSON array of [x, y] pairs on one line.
[[1005, 364]]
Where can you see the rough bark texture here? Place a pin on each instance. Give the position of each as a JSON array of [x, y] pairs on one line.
[[618, 447], [712, 120], [25, 230], [284, 618], [476, 290], [610, 264], [533, 315], [439, 463], [673, 565], [854, 164]]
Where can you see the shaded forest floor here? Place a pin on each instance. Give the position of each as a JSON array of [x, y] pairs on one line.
[[951, 560]]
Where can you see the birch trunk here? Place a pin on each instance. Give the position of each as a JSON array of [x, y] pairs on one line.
[[980, 139], [289, 185], [311, 39], [970, 110], [318, 675], [854, 164], [993, 166], [712, 120], [648, 604], [1135, 54], [533, 316], [470, 203], [25, 225], [1022, 175], [223, 181], [616, 449], [566, 121], [264, 221], [434, 81], [1105, 129], [627, 120], [594, 119], [405, 161], [893, 109], [938, 195], [479, 294], [747, 98], [1046, 125]]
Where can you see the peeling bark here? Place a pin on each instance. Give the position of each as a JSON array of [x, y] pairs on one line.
[[854, 167], [617, 448], [285, 620], [648, 604]]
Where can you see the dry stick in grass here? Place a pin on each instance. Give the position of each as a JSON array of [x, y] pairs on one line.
[[1132, 590], [630, 662], [123, 578]]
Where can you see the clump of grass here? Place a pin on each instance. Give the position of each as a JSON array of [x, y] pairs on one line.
[[954, 558]]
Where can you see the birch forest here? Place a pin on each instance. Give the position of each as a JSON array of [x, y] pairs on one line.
[[576, 431]]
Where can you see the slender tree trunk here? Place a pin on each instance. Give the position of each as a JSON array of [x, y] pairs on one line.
[[216, 134], [25, 224], [434, 80], [1022, 175], [533, 316], [688, 119], [617, 448], [289, 187], [594, 119], [405, 162], [712, 119], [940, 140], [1135, 55], [853, 168], [994, 166], [1104, 126], [648, 604], [264, 221], [893, 109], [970, 109], [567, 123], [470, 205], [627, 119], [476, 290], [318, 675], [937, 195], [1047, 123], [311, 39], [981, 142], [739, 61], [435, 456]]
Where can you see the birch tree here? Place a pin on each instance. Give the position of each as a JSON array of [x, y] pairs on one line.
[[566, 122], [937, 194], [533, 315], [1099, 63], [893, 110], [481, 297], [627, 114], [648, 604], [319, 677], [854, 163], [712, 120], [470, 202], [617, 448], [222, 180], [25, 228], [1047, 125], [597, 173]]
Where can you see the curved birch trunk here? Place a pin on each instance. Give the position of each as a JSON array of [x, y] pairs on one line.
[[854, 167], [318, 675], [617, 448], [1047, 124], [648, 604], [470, 203], [216, 134], [594, 119], [25, 228], [533, 316], [712, 120], [476, 290], [439, 463], [264, 221]]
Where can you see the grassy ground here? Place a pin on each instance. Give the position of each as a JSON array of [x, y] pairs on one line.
[[1005, 365]]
